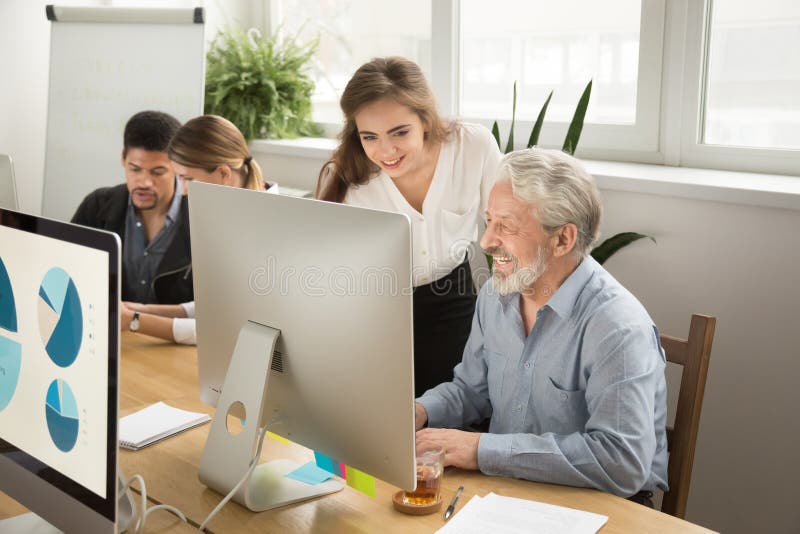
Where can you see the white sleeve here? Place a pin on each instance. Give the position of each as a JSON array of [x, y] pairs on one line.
[[184, 331], [188, 307]]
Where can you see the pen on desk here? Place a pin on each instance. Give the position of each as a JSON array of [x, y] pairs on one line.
[[452, 507]]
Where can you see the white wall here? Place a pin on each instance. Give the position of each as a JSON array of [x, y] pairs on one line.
[[739, 263]]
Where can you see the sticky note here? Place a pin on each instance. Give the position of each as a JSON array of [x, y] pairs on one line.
[[276, 437], [310, 474], [328, 464], [361, 481]]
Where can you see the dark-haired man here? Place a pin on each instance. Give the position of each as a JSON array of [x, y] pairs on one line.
[[149, 214]]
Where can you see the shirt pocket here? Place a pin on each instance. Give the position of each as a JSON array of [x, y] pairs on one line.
[[564, 411], [459, 230]]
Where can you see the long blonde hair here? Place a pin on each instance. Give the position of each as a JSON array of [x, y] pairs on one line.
[[208, 141], [389, 77]]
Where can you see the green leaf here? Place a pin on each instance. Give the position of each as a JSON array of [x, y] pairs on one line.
[[576, 126], [510, 144], [610, 246], [537, 127], [261, 85], [496, 134]]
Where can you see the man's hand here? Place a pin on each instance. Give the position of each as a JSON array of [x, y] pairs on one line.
[[420, 415], [460, 448]]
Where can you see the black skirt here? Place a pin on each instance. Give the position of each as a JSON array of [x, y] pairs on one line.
[[442, 320]]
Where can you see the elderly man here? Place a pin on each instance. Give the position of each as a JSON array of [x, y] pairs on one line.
[[563, 358]]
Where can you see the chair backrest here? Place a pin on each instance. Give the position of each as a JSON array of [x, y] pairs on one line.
[[693, 354]]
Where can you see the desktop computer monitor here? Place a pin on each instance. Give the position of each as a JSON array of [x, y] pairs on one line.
[[335, 282], [59, 328]]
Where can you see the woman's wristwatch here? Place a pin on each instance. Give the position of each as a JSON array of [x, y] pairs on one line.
[[134, 324]]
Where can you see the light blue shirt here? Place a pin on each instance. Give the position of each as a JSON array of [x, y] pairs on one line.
[[581, 401]]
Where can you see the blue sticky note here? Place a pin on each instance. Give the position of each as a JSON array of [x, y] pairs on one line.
[[310, 474], [328, 464]]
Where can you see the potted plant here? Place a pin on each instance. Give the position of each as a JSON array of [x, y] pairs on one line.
[[260, 83]]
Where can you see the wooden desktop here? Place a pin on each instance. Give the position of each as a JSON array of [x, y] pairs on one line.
[[152, 370]]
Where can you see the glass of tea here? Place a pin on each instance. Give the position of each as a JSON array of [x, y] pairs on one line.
[[430, 465]]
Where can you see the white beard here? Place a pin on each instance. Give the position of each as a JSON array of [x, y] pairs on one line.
[[521, 278]]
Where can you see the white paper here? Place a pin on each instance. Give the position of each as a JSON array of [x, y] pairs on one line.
[[495, 513], [156, 422]]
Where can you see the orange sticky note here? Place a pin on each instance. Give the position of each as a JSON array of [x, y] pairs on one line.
[[361, 481]]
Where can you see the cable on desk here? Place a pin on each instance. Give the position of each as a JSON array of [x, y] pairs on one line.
[[144, 511], [251, 467]]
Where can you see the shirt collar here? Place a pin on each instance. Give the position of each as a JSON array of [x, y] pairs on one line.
[[563, 300], [175, 206]]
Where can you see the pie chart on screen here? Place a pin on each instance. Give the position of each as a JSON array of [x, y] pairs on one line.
[[61, 411], [60, 318], [10, 350]]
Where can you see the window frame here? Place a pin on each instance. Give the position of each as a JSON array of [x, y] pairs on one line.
[[669, 98], [695, 153], [597, 140]]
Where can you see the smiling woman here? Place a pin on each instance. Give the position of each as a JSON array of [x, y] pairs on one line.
[[397, 154]]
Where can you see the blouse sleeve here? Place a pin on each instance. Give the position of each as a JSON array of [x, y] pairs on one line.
[[188, 307], [184, 331]]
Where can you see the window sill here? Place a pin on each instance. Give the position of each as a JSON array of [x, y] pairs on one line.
[[766, 190]]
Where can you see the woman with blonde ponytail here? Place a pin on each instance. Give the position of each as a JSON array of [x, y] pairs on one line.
[[209, 149]]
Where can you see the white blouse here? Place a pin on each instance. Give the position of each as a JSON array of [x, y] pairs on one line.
[[448, 226]]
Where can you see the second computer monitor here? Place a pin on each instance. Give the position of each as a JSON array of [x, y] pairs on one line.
[[336, 281]]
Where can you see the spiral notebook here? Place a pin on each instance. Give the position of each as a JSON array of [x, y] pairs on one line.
[[154, 423]]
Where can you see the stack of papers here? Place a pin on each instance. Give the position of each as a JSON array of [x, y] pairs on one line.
[[495, 513], [154, 423]]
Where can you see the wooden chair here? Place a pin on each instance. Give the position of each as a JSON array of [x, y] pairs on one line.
[[693, 354]]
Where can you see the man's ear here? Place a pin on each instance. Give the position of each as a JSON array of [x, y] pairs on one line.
[[565, 238], [122, 157]]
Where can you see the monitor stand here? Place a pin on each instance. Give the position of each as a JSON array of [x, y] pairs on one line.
[[226, 457]]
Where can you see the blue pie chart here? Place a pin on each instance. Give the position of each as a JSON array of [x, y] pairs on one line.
[[10, 351], [61, 411], [60, 317]]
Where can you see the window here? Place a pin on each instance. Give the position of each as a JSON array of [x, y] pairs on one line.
[[351, 32], [548, 46], [702, 83], [752, 91]]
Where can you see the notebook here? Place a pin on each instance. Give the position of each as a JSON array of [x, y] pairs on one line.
[[155, 423]]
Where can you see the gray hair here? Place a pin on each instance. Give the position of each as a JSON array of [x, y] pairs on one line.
[[559, 189]]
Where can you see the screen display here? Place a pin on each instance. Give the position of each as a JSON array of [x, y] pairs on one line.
[[54, 300]]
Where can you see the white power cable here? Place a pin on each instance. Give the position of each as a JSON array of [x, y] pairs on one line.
[[250, 469], [144, 511], [138, 527]]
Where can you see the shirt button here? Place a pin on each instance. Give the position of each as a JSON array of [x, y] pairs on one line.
[[138, 225], [563, 396], [424, 252], [527, 365], [146, 253], [143, 282], [519, 407]]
